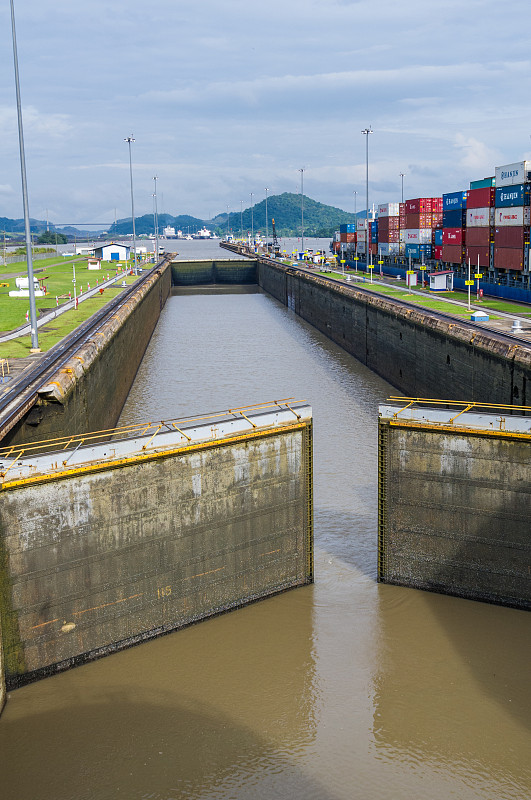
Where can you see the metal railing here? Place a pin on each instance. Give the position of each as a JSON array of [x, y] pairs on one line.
[[462, 406], [140, 430]]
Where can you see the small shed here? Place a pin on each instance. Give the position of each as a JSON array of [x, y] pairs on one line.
[[94, 263], [112, 252], [442, 281]]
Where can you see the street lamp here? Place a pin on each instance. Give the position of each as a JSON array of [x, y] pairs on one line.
[[402, 176], [130, 139], [252, 220], [156, 222], [266, 191], [241, 219], [302, 207], [366, 132], [228, 222], [27, 230]]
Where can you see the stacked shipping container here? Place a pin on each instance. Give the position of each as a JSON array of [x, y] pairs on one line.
[[512, 216], [480, 224], [420, 219], [454, 227], [388, 229]]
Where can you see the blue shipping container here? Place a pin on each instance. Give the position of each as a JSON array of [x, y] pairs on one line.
[[508, 196], [483, 184], [454, 219], [438, 236], [347, 227], [454, 201]]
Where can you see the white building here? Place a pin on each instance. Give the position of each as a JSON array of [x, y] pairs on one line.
[[112, 252]]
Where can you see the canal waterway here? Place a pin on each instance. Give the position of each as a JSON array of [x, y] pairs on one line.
[[343, 689]]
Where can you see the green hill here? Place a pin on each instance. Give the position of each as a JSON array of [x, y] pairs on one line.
[[285, 209]]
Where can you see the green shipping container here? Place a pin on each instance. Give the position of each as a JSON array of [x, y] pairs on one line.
[[483, 184]]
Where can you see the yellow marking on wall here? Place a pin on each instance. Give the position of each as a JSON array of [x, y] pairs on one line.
[[141, 457], [105, 605], [200, 574], [270, 552], [42, 624]]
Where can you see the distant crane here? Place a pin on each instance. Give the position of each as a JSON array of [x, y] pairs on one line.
[[276, 245]]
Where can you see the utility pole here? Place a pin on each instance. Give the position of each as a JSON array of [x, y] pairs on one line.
[[241, 219], [266, 191], [156, 221], [130, 139], [302, 208], [366, 132], [402, 176], [252, 220], [27, 231]]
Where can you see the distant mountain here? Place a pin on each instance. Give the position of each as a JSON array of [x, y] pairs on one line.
[[319, 218], [146, 225]]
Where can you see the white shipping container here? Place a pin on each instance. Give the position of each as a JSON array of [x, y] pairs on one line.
[[417, 236], [479, 217], [361, 236], [388, 210], [337, 236], [504, 217], [508, 175], [388, 248], [360, 247], [362, 224]]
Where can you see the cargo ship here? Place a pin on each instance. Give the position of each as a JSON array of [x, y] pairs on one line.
[[483, 230]]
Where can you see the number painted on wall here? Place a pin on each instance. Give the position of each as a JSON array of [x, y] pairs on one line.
[[164, 591]]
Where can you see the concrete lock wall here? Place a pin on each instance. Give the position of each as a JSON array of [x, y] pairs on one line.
[[454, 500], [89, 391], [200, 272], [103, 550], [421, 355]]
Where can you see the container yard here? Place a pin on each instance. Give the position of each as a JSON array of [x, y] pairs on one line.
[[481, 232]]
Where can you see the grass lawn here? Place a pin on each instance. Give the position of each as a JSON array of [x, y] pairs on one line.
[[58, 281], [57, 328], [22, 267]]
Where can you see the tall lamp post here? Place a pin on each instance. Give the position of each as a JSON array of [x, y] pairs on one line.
[[27, 231], [302, 208], [366, 132], [156, 222], [402, 177], [228, 217], [130, 139], [266, 191], [241, 219], [252, 220]]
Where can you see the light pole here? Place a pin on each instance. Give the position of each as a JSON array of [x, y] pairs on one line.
[[366, 132], [266, 191], [252, 220], [241, 219], [156, 222], [228, 222], [402, 176], [29, 254], [302, 207], [130, 139]]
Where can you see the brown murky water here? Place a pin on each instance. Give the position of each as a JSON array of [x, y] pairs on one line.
[[344, 689]]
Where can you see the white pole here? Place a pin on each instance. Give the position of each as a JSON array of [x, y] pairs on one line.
[[468, 287]]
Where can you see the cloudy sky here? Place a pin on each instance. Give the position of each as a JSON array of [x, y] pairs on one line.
[[226, 98]]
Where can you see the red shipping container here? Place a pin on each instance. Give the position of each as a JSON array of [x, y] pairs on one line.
[[425, 220], [437, 251], [481, 198], [393, 223], [473, 253], [437, 204], [401, 209], [479, 237], [453, 254], [453, 236], [412, 221], [374, 249], [508, 258], [383, 223], [436, 219], [511, 237]]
